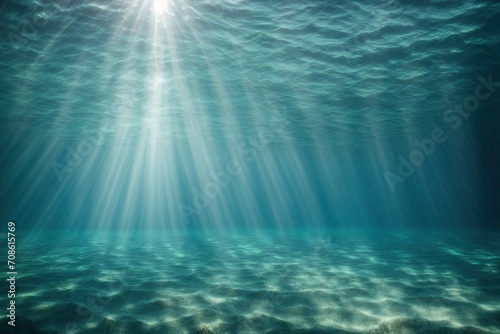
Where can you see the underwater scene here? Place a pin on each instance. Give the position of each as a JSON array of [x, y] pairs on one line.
[[250, 166]]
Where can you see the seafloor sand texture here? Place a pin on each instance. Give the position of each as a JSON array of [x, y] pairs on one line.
[[328, 282]]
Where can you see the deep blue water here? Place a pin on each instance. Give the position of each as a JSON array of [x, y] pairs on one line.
[[240, 166]]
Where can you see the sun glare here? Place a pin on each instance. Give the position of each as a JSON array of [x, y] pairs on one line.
[[160, 7]]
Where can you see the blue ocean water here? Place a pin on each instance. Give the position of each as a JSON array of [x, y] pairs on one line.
[[243, 166]]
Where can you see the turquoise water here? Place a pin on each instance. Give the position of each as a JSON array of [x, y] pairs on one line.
[[300, 281], [237, 166]]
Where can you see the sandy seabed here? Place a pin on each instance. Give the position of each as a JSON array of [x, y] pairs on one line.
[[328, 281]]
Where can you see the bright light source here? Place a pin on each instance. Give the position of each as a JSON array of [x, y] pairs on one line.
[[160, 7]]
